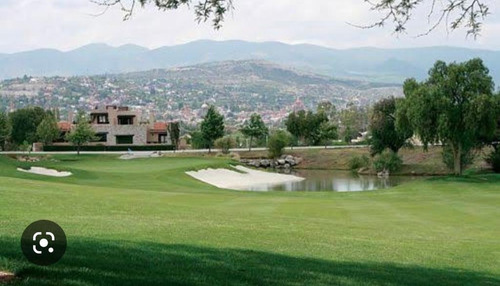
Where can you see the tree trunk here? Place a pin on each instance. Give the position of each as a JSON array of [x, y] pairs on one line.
[[457, 160], [78, 150], [250, 145]]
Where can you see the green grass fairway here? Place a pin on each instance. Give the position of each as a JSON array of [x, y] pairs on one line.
[[144, 222]]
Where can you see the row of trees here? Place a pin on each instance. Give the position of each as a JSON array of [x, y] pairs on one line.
[[27, 125], [311, 128], [455, 107], [308, 127]]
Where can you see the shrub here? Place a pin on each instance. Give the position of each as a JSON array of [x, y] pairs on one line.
[[494, 160], [225, 144], [357, 162], [388, 161], [277, 142], [25, 147], [197, 141]]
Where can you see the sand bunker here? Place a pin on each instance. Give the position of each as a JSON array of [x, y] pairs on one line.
[[132, 156], [228, 179], [45, 172]]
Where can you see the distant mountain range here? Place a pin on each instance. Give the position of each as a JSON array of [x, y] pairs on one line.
[[365, 64]]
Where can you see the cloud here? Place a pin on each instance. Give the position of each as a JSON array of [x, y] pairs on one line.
[[68, 24]]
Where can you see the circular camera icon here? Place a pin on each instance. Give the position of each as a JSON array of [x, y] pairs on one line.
[[43, 242]]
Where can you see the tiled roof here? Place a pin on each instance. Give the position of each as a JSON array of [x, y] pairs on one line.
[[159, 127], [64, 125]]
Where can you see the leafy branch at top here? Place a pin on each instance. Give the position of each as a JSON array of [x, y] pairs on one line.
[[456, 14], [204, 9]]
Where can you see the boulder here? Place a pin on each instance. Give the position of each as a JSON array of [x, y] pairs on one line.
[[265, 163], [281, 162], [287, 166]]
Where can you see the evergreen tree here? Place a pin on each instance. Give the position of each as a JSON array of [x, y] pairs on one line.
[[5, 129], [212, 127], [174, 133]]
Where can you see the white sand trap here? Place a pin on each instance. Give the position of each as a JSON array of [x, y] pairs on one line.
[[227, 179], [45, 172], [139, 156]]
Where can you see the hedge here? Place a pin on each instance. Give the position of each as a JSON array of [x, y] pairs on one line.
[[102, 148]]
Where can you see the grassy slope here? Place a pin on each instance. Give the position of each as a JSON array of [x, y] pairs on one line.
[[146, 222]]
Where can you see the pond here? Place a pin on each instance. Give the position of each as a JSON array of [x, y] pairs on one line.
[[336, 181]]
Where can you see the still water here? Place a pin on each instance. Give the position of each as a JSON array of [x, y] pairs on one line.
[[336, 181]]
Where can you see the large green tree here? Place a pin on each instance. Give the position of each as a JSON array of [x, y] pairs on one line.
[[306, 126], [47, 131], [327, 132], [383, 127], [254, 128], [313, 131], [455, 106], [5, 129], [24, 124], [212, 127], [82, 133]]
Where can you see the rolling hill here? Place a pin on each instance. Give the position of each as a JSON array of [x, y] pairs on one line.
[[366, 64]]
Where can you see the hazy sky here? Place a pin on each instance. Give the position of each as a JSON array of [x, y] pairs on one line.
[[68, 24]]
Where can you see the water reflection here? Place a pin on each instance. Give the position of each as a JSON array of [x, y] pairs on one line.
[[336, 181]]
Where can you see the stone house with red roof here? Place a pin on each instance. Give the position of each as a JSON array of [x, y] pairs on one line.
[[120, 125]]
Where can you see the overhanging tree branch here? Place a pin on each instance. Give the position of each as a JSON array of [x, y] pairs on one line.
[[204, 10], [467, 14]]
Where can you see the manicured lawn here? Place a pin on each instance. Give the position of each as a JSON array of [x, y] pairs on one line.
[[144, 222]]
